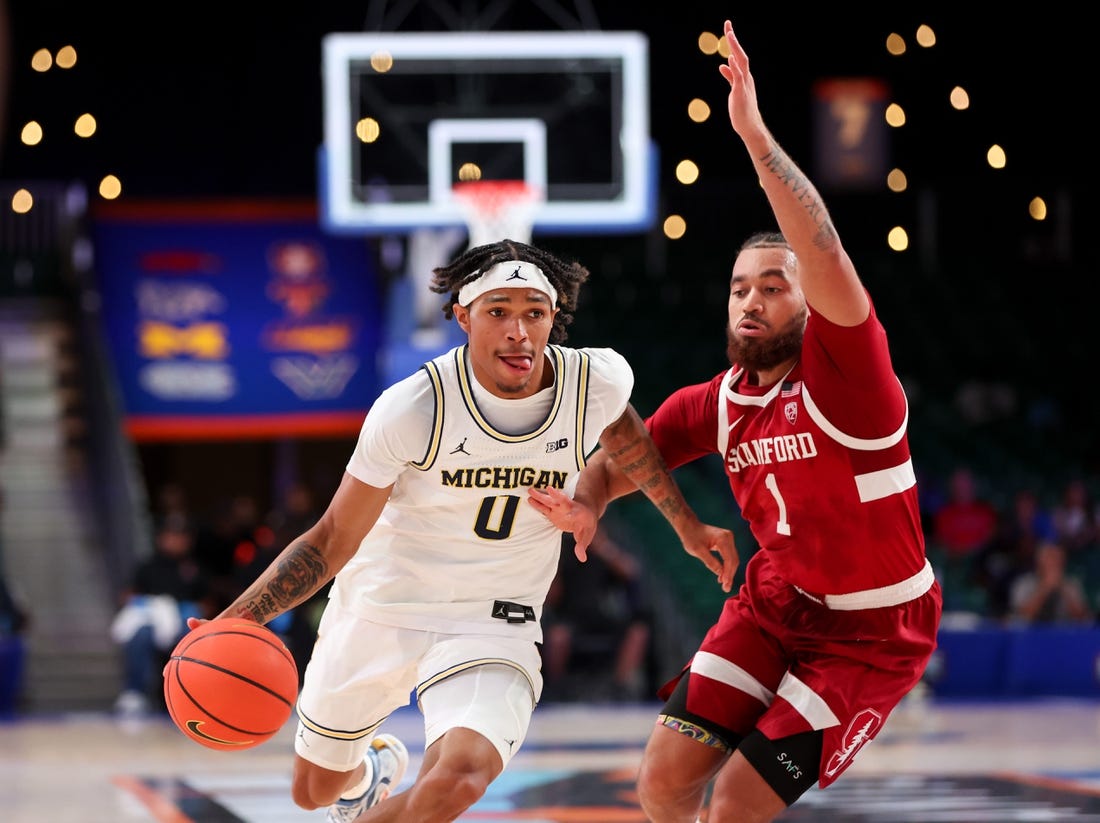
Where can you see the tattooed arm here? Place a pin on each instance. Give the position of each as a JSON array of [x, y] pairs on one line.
[[628, 460], [827, 275], [315, 557]]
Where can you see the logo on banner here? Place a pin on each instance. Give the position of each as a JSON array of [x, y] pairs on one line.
[[299, 284], [316, 378], [184, 380], [207, 341]]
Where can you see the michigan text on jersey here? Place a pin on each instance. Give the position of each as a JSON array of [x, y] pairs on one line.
[[504, 477]]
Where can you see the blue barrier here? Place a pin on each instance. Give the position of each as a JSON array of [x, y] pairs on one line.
[[996, 661]]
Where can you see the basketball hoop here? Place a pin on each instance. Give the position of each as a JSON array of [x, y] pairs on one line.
[[497, 210]]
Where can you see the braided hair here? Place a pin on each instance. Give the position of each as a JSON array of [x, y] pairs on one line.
[[566, 278]]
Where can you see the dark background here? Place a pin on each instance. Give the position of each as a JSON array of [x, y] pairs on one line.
[[224, 100], [199, 101]]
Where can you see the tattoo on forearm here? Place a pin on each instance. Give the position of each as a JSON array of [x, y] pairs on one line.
[[649, 473], [784, 170], [300, 572]]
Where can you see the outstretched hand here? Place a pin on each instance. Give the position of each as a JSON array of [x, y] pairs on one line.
[[743, 109], [712, 546], [715, 548], [568, 515]]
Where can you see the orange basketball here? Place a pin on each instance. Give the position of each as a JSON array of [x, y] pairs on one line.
[[230, 684]]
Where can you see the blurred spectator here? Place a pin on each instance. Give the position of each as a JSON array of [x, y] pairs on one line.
[[14, 620], [966, 522], [1074, 518], [229, 543], [597, 625], [1046, 593], [168, 587], [1022, 529], [962, 528], [171, 501], [295, 513], [13, 650], [931, 496]]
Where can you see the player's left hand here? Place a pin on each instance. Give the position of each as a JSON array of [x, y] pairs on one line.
[[743, 110], [715, 548], [568, 515]]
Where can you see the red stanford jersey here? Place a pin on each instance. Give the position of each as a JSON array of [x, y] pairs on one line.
[[819, 464]]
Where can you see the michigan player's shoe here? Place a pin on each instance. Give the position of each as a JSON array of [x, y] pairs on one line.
[[390, 758]]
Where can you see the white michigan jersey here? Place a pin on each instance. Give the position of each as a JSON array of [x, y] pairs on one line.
[[457, 547]]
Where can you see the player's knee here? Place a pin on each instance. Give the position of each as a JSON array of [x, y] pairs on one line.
[[661, 800], [659, 785], [650, 780], [303, 798], [313, 788], [307, 797], [459, 788], [675, 777], [469, 789], [649, 795]]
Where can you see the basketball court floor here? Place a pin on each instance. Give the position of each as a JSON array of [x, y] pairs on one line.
[[948, 762]]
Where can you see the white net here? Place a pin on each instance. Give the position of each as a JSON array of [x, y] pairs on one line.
[[498, 209]]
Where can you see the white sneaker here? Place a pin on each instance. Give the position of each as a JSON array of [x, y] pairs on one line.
[[390, 758]]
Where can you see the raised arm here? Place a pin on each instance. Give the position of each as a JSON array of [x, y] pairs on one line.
[[315, 557], [828, 277]]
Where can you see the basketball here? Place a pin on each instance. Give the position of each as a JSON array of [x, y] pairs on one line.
[[230, 684]]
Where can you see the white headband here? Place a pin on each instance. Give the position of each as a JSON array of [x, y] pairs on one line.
[[509, 274]]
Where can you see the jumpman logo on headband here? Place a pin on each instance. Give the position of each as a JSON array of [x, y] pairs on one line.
[[515, 276], [461, 447]]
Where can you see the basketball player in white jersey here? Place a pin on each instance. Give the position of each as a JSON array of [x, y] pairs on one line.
[[441, 568]]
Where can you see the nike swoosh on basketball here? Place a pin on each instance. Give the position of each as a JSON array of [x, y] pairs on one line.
[[195, 727]]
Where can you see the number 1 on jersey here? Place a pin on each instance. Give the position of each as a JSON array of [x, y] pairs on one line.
[[781, 526]]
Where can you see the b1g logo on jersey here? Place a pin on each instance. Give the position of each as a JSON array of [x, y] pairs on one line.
[[555, 445]]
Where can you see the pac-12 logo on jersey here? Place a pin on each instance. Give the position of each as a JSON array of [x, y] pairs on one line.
[[555, 445]]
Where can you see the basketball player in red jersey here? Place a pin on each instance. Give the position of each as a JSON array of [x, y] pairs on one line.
[[838, 614]]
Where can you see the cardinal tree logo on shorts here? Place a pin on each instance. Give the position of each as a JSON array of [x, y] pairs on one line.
[[863, 727]]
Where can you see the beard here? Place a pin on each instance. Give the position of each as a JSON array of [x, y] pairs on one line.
[[754, 355]]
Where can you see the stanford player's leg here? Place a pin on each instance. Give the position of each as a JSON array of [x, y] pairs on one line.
[[764, 777], [683, 755]]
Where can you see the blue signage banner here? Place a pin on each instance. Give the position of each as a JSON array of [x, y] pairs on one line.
[[237, 320]]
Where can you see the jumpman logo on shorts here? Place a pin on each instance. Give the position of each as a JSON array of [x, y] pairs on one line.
[[515, 276], [461, 447]]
